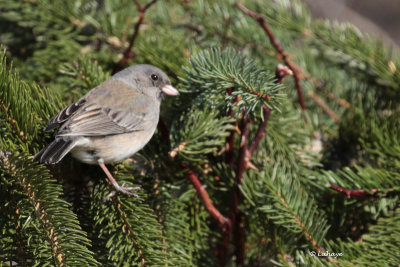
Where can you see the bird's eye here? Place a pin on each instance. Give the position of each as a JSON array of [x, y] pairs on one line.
[[154, 77]]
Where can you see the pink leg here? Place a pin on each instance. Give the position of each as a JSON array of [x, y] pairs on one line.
[[122, 189]]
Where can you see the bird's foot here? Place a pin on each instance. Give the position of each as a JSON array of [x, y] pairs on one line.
[[123, 190]]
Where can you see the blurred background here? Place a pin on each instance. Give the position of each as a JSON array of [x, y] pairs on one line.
[[380, 18]]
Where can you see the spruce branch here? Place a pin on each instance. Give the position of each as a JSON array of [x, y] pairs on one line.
[[213, 71], [379, 242], [127, 54], [41, 213], [280, 73], [304, 229], [302, 226], [279, 212], [145, 7], [244, 161], [52, 215], [291, 207], [361, 193], [197, 133], [370, 182], [279, 49], [293, 67], [126, 228], [263, 96]]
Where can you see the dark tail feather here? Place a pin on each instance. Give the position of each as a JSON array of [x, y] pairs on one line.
[[55, 151]]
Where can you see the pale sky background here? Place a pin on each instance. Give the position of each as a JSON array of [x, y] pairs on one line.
[[377, 17]]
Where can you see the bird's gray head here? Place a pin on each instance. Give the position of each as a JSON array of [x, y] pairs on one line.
[[149, 79]]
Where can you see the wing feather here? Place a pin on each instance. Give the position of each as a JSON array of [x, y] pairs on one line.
[[64, 114], [114, 107]]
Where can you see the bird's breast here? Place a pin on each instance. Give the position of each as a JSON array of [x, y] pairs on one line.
[[110, 148]]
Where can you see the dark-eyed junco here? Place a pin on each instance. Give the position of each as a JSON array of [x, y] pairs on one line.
[[112, 121]]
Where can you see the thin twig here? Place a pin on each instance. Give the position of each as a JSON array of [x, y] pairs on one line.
[[148, 5], [325, 107], [279, 49], [127, 54], [261, 95], [341, 101], [223, 222], [354, 192]]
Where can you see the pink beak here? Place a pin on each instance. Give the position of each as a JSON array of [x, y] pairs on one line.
[[169, 90]]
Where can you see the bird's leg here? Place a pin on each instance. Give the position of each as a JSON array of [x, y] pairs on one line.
[[122, 189]]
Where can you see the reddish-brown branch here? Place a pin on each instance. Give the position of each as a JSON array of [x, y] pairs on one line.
[[223, 222], [214, 212], [146, 6], [243, 152], [279, 49], [240, 238], [231, 145], [354, 192], [260, 132], [231, 139], [236, 219], [128, 54]]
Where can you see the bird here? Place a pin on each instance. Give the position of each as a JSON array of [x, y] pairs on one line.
[[111, 122]]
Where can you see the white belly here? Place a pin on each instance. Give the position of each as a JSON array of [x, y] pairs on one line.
[[111, 148]]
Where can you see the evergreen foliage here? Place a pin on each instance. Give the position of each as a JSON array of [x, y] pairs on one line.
[[311, 185]]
